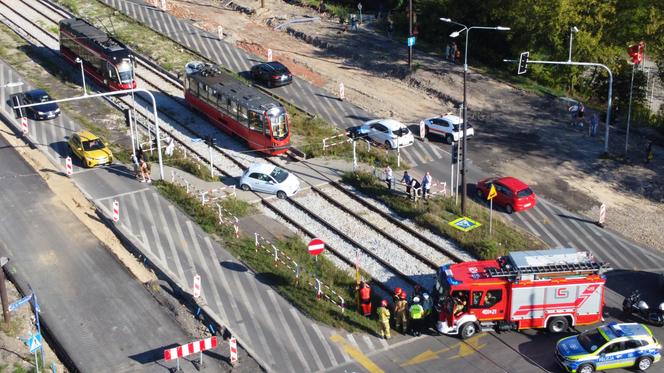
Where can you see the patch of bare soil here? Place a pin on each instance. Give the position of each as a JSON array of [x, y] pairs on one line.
[[518, 133]]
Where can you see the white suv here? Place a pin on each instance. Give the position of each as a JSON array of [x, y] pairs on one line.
[[388, 132], [449, 127]]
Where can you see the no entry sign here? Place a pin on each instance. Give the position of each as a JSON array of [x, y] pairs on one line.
[[316, 246]]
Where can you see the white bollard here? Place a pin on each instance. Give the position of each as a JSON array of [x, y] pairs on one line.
[[220, 32], [342, 92], [269, 55]]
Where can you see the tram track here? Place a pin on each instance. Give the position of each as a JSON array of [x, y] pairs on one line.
[[158, 78]]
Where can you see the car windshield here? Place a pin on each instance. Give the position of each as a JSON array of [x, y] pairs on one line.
[[279, 124], [95, 144], [591, 340], [279, 174], [524, 193], [401, 131], [125, 72]]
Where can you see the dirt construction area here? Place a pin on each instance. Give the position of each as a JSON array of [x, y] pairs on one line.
[[517, 133]]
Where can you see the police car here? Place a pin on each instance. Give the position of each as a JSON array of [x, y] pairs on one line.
[[609, 346]]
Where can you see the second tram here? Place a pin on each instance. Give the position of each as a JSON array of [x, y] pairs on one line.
[[237, 108]]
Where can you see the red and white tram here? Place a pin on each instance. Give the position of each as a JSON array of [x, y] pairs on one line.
[[237, 108], [106, 60]]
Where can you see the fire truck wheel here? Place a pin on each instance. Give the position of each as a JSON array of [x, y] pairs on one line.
[[585, 368], [644, 363], [558, 325], [468, 330]]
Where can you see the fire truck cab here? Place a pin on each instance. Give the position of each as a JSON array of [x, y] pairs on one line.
[[550, 289]]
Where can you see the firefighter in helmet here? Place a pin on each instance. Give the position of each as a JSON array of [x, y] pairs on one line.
[[384, 319], [401, 316], [365, 298]]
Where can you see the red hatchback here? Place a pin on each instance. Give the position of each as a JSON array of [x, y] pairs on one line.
[[513, 194]]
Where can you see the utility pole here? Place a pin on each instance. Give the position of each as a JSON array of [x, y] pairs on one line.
[[410, 33], [3, 290]]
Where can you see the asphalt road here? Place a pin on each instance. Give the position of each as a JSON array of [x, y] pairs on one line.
[[102, 317]]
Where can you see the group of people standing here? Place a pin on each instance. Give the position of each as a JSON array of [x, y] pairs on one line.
[[452, 52], [413, 186], [408, 316]]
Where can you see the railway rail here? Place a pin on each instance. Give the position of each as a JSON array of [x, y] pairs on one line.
[[386, 265]]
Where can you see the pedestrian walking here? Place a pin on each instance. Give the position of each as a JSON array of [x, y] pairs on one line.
[[365, 298], [388, 176], [415, 315], [448, 48], [384, 320], [353, 23], [139, 153], [580, 120], [170, 146], [427, 304], [321, 6], [426, 185], [137, 165], [406, 179], [401, 316], [649, 153], [415, 185], [594, 121], [453, 51], [390, 27], [145, 172]]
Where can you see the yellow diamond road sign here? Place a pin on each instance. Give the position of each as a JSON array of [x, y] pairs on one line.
[[464, 224], [492, 192]]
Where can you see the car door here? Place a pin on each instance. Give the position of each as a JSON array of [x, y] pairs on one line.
[[30, 111], [614, 355], [76, 146], [501, 194], [378, 133], [255, 181]]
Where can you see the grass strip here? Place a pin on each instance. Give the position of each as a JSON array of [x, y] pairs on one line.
[[435, 214], [301, 295]]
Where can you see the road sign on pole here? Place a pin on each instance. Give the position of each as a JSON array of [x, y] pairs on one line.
[[68, 166], [197, 286], [34, 343], [24, 125], [116, 211], [14, 306], [411, 41], [492, 194], [232, 344], [316, 246]]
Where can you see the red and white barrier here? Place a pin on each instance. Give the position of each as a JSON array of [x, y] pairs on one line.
[[232, 344], [197, 286], [116, 211], [24, 125], [190, 348], [68, 166]]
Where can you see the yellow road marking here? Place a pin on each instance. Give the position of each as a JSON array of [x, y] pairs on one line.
[[465, 348], [356, 354]]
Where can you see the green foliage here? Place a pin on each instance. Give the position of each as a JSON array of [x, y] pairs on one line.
[[300, 294], [436, 213]]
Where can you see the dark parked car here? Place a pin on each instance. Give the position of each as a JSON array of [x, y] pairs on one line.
[[45, 111], [272, 74]]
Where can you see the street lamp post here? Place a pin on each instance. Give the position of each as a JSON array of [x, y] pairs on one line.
[[11, 84], [85, 90], [465, 96], [117, 93], [572, 30], [3, 290]]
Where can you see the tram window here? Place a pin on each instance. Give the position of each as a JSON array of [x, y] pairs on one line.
[[255, 123], [242, 115], [202, 90], [111, 71], [232, 107]]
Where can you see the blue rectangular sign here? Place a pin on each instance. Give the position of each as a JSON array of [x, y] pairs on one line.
[[14, 306], [411, 41]]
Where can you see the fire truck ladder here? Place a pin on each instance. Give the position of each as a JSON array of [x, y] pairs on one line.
[[579, 268]]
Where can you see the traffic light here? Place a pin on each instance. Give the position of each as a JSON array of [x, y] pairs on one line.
[[127, 115], [209, 140], [455, 152], [523, 63]]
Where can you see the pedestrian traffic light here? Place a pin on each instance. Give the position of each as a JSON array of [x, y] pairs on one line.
[[455, 152], [127, 114], [523, 63]]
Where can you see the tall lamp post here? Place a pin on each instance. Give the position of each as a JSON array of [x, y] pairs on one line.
[[465, 104], [85, 90], [572, 31]]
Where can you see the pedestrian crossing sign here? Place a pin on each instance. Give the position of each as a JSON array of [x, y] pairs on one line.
[[464, 224], [492, 192], [34, 343]]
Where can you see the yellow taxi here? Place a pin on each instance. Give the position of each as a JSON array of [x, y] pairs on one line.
[[90, 149]]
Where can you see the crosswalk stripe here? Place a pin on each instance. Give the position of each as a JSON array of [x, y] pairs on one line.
[[312, 350], [173, 251], [184, 245], [145, 240], [155, 233], [289, 333], [326, 346], [530, 216]]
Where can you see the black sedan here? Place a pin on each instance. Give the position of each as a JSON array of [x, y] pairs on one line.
[[272, 74], [38, 112]]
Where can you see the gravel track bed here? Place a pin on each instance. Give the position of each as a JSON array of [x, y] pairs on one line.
[[386, 226], [369, 238], [328, 254], [447, 244], [371, 266]]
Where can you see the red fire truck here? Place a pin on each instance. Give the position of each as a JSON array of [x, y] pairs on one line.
[[550, 289]]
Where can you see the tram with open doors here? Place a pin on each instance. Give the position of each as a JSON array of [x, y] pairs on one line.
[[105, 59], [237, 108]]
